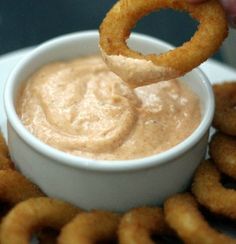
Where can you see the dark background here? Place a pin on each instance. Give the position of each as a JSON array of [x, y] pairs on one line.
[[26, 23]]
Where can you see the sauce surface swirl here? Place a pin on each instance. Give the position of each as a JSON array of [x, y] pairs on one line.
[[82, 108]]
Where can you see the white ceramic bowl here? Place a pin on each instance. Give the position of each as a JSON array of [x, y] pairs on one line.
[[116, 185]]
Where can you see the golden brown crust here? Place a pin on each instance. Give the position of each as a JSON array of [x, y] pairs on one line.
[[212, 30], [225, 112], [211, 193], [14, 187], [183, 216], [3, 147], [5, 161], [33, 214], [223, 152], [138, 225], [90, 227]]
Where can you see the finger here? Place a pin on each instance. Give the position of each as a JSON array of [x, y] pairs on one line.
[[230, 8], [229, 5]]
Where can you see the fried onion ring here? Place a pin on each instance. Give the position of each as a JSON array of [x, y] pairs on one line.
[[225, 112], [5, 161], [15, 188], [223, 151], [138, 69], [209, 191], [3, 147], [90, 227], [182, 214], [138, 225], [33, 214]]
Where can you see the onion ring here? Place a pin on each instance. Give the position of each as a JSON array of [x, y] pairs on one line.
[[90, 227], [32, 215], [138, 69], [138, 225], [223, 152], [182, 215], [15, 188], [209, 191], [225, 112], [5, 161], [3, 147]]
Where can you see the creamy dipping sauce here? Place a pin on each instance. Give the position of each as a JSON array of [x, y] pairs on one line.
[[82, 108]]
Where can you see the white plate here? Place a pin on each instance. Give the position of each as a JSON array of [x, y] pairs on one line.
[[215, 71]]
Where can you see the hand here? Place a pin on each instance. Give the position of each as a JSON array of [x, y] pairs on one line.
[[230, 9]]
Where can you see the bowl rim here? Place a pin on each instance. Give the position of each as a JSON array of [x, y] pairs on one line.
[[66, 159]]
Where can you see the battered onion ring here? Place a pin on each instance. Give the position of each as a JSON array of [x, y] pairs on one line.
[[90, 227], [33, 214], [182, 214], [3, 147], [15, 188], [223, 152], [225, 112], [209, 191], [138, 225], [5, 162], [138, 69]]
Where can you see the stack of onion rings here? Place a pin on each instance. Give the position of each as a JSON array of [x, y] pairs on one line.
[[14, 187], [207, 186], [138, 69]]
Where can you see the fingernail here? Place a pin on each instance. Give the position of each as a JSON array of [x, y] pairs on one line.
[[232, 21]]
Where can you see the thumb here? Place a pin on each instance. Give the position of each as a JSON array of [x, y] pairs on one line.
[[230, 8]]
